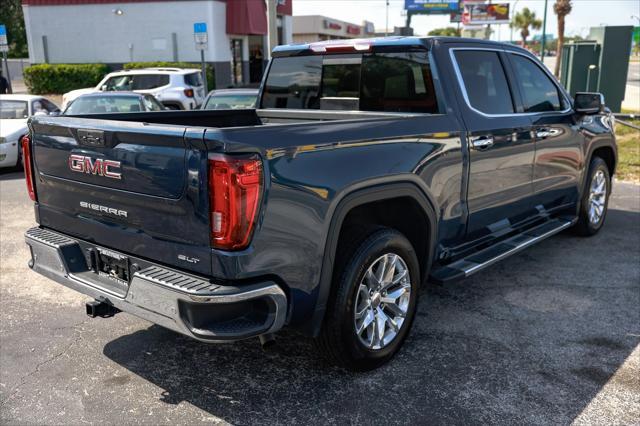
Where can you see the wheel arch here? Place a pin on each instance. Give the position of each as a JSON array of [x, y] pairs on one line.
[[407, 187]]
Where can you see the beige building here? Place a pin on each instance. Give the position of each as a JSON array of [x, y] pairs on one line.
[[312, 28]]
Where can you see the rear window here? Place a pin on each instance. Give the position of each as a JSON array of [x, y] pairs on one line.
[[395, 82], [193, 79]]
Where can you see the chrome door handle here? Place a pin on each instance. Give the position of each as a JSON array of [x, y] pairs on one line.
[[482, 142]]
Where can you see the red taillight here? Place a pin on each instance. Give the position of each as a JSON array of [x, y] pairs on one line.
[[188, 93], [235, 188], [28, 170]]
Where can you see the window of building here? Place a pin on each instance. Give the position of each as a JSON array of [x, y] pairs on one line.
[[539, 93], [485, 81]]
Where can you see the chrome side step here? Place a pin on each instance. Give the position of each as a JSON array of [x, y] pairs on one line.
[[481, 259]]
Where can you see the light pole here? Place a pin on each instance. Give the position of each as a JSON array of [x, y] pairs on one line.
[[386, 25], [544, 30]]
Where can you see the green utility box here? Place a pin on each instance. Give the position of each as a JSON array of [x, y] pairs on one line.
[[600, 64], [579, 70]]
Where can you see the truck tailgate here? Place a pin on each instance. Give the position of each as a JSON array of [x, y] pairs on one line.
[[123, 185]]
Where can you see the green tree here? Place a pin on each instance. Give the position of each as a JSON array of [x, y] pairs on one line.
[[447, 32], [523, 20], [11, 16], [561, 8]]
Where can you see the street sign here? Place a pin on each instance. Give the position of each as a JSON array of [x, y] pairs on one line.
[[4, 46], [200, 35]]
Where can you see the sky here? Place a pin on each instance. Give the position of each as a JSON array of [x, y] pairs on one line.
[[585, 14]]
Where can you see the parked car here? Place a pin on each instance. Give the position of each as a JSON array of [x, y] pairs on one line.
[[369, 168], [175, 88], [231, 99], [102, 102], [14, 112]]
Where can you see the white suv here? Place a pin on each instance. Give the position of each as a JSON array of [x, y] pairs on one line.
[[175, 88]]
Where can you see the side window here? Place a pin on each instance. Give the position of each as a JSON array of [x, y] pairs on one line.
[[149, 81], [397, 82], [120, 83], [485, 81], [539, 93], [151, 104]]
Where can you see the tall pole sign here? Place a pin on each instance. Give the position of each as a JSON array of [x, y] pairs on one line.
[[201, 38], [4, 48]]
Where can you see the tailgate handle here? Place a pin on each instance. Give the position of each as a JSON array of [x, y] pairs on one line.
[[91, 137]]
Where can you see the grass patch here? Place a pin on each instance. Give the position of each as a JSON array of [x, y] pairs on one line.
[[628, 140]]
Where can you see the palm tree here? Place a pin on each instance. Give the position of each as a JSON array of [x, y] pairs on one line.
[[523, 20], [561, 8]]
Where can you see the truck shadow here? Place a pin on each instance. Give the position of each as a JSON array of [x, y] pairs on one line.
[[531, 340]]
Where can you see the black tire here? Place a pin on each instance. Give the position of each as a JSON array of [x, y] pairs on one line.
[[338, 340], [585, 226]]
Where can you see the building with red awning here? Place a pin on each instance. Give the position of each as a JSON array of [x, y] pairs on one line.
[[120, 31]]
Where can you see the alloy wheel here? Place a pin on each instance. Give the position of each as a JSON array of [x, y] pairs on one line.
[[382, 301]]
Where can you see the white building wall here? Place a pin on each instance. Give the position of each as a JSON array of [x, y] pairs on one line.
[[95, 33]]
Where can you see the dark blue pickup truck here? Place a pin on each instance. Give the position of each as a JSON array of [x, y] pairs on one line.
[[368, 168]]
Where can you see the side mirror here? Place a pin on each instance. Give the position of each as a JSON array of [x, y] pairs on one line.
[[104, 88], [588, 103]]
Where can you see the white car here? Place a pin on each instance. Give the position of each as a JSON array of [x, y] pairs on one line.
[[175, 88], [14, 112]]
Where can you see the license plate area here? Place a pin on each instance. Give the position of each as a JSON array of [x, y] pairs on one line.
[[109, 269]]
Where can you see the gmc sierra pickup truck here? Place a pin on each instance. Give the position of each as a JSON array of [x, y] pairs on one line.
[[368, 168]]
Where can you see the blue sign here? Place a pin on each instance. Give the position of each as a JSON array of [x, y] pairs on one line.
[[200, 27], [3, 30], [431, 6]]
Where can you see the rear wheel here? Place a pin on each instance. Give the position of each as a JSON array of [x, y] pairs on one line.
[[595, 200], [374, 302]]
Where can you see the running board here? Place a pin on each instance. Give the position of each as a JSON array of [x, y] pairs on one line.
[[481, 259]]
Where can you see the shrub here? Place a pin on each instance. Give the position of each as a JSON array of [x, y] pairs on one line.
[[61, 78], [211, 78]]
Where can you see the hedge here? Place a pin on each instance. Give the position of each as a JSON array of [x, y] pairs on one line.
[[61, 78], [211, 78]]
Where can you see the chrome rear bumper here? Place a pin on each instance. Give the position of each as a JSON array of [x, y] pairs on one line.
[[181, 302]]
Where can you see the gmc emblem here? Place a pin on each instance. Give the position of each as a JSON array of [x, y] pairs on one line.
[[98, 166]]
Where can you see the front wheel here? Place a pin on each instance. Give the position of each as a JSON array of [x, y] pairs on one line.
[[373, 303], [595, 200]]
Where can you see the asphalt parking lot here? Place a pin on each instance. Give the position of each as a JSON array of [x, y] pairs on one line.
[[549, 336]]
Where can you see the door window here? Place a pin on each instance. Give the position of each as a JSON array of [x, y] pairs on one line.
[[149, 81], [485, 81], [539, 93]]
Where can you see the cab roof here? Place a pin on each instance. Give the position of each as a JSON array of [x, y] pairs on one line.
[[368, 44]]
